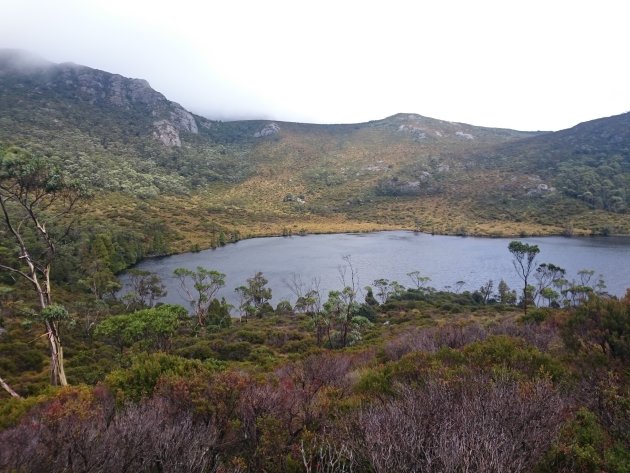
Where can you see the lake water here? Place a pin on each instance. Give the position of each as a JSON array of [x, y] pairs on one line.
[[391, 255]]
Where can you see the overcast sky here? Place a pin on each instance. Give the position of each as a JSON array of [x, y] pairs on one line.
[[530, 65]]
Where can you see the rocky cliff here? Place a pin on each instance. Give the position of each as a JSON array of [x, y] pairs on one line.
[[23, 75]]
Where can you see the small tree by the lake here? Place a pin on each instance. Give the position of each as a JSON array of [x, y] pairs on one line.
[[524, 256]]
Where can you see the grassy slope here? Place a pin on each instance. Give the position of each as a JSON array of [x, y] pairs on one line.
[[468, 180]]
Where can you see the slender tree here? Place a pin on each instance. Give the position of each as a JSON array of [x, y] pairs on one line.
[[523, 259], [309, 301], [256, 295], [34, 194], [486, 290], [546, 275], [145, 288], [418, 279], [199, 288]]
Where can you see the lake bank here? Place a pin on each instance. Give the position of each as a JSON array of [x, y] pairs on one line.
[[392, 254]]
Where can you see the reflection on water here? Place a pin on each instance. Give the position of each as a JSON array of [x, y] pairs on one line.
[[391, 255]]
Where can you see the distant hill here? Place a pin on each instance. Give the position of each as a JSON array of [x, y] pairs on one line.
[[100, 122], [589, 162], [132, 144]]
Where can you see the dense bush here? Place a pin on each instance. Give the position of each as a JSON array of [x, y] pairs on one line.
[[475, 424]]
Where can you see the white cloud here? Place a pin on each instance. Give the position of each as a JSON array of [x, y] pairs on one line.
[[526, 65]]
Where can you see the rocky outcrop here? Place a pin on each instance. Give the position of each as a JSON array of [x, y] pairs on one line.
[[166, 133], [83, 85], [461, 134], [417, 132], [128, 93], [268, 130], [541, 189], [184, 120]]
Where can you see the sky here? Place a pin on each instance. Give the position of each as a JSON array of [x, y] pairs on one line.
[[527, 65]]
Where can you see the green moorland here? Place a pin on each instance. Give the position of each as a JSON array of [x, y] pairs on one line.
[[153, 163], [98, 171], [401, 379], [386, 378]]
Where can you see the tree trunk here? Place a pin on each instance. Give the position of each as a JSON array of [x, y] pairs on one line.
[[319, 333], [33, 189], [57, 372], [525, 297], [8, 389]]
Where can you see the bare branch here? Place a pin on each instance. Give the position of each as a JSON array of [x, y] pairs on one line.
[[17, 271], [8, 389]]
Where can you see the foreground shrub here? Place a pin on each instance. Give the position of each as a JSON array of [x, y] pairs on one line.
[[474, 424], [584, 447], [150, 437], [141, 377]]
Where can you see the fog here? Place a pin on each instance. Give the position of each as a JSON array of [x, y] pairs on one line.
[[525, 65]]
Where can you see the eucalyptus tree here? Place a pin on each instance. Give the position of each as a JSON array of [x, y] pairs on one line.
[[199, 288], [37, 202], [547, 275], [341, 309], [145, 288], [418, 279], [383, 289], [506, 295], [309, 302], [255, 296], [524, 256], [486, 290]]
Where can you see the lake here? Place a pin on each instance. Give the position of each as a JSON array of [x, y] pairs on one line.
[[391, 255]]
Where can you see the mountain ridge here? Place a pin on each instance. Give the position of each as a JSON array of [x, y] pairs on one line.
[[404, 171], [13, 60]]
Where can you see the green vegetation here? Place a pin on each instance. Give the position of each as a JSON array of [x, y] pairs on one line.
[[36, 199], [389, 379], [218, 180], [524, 256], [394, 384]]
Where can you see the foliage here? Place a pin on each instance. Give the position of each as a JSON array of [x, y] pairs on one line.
[[603, 182], [154, 436], [14, 409], [515, 355], [219, 313], [584, 447], [475, 424], [502, 389], [145, 370], [144, 289], [154, 327], [602, 324], [199, 288], [255, 296]]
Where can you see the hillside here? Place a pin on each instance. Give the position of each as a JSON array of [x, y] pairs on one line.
[[589, 162], [98, 171], [151, 160]]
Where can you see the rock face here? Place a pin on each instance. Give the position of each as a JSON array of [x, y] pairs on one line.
[[167, 133], [98, 86], [267, 130], [184, 120], [92, 87], [417, 132], [468, 136]]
